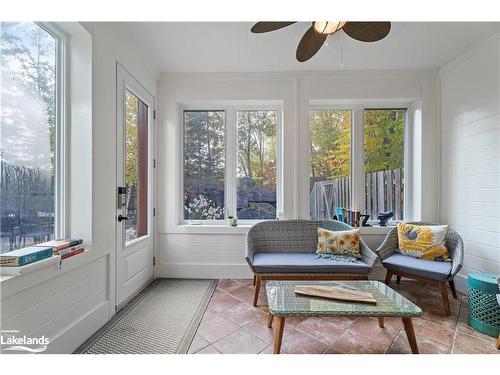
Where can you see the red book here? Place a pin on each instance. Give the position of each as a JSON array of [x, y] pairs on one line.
[[61, 244], [81, 250]]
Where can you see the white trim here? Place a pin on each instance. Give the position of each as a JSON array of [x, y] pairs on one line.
[[226, 271], [230, 108], [347, 74], [127, 286], [357, 108], [62, 120]]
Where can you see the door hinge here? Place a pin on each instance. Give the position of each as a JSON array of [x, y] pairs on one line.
[[154, 114], [154, 261], [154, 211], [154, 163]]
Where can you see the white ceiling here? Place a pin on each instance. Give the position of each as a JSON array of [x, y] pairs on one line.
[[231, 47]]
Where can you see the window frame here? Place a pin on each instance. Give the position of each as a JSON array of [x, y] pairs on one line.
[[230, 151], [357, 108], [61, 212], [61, 111]]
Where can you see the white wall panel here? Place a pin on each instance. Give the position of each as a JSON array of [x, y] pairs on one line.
[[470, 154]]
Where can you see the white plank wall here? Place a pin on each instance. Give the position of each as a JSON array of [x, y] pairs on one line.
[[217, 256], [470, 154], [67, 308]]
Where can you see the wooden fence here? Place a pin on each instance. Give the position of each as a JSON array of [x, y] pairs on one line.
[[383, 192], [327, 195]]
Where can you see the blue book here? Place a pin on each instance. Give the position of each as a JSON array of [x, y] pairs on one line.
[[26, 255]]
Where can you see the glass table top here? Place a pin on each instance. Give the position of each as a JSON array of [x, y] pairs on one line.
[[283, 300]]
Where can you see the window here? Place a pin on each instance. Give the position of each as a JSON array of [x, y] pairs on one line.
[[30, 124], [376, 137], [230, 164], [384, 161], [204, 165], [256, 173], [330, 160]]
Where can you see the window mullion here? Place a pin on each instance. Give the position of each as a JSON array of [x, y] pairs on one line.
[[357, 158], [230, 173]]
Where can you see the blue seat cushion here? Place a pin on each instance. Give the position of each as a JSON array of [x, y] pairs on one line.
[[304, 263], [428, 269]]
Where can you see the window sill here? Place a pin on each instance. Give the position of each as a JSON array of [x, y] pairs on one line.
[[209, 229], [50, 265], [243, 229]]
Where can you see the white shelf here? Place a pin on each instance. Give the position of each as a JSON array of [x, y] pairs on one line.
[[44, 263], [54, 261]]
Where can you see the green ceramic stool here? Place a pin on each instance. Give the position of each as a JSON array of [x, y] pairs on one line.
[[484, 312]]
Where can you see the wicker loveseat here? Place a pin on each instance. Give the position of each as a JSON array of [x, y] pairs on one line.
[[286, 250]]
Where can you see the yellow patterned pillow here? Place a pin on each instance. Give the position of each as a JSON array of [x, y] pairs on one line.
[[423, 241], [338, 242]]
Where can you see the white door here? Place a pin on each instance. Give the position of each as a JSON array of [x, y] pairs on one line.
[[134, 213]]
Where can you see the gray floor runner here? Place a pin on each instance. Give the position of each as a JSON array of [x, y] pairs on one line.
[[160, 320]]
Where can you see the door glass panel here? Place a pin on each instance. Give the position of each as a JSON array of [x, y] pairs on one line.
[[136, 167]]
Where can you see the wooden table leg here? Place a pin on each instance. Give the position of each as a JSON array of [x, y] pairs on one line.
[[270, 318], [410, 334], [381, 321], [278, 334]]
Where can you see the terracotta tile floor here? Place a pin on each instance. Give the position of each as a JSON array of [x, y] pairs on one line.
[[232, 325]]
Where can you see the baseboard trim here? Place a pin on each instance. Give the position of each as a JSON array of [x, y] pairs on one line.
[[461, 283], [204, 271], [76, 334], [224, 271]]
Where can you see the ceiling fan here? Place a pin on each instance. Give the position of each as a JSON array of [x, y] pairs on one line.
[[316, 35]]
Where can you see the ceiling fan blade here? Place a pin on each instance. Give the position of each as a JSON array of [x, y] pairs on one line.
[[265, 27], [310, 44], [367, 31]]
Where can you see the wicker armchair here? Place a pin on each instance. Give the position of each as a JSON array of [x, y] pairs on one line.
[[286, 250], [437, 273]]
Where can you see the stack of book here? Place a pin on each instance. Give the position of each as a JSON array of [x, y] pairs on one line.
[[15, 262], [64, 248], [24, 256]]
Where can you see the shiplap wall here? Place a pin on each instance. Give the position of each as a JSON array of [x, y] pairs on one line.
[[470, 154], [220, 256], [192, 251]]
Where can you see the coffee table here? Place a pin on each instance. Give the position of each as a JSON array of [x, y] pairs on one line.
[[284, 302]]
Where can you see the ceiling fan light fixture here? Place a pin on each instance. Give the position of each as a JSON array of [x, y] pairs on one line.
[[328, 27]]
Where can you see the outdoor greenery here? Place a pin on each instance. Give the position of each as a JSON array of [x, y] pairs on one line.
[[257, 152], [330, 135], [257, 147], [131, 139], [330, 143], [204, 162], [384, 139]]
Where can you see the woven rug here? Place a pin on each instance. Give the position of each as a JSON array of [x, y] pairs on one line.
[[162, 319]]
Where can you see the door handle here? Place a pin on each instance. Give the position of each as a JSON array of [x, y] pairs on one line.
[[121, 218]]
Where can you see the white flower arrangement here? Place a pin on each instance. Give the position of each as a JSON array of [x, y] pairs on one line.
[[202, 208]]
